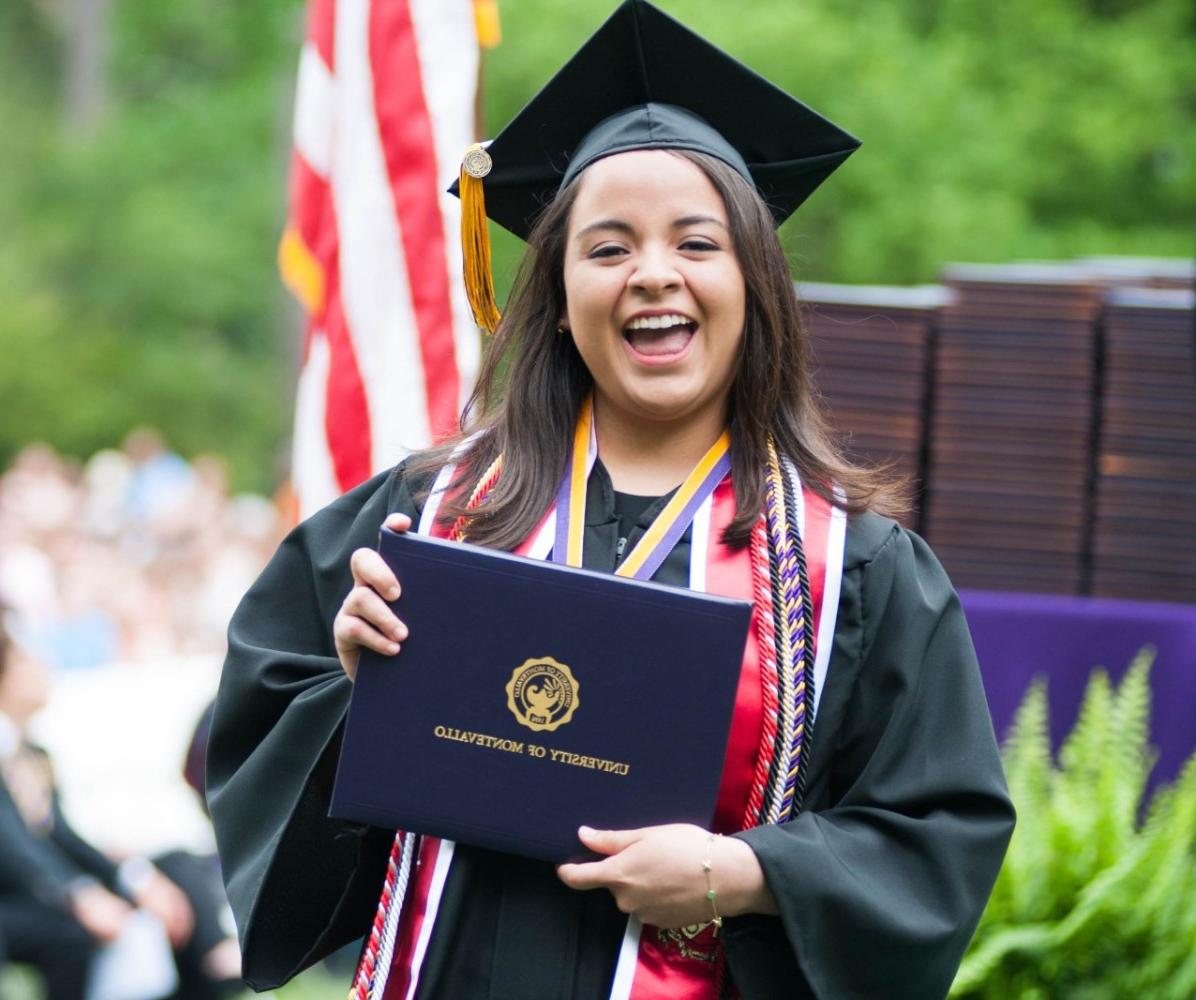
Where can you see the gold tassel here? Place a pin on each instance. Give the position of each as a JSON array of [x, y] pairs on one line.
[[485, 15], [475, 239], [301, 272]]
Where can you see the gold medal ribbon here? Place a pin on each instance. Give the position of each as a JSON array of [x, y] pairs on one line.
[[670, 524]]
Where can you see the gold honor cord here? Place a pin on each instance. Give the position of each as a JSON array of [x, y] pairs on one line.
[[681, 503], [578, 477], [670, 523]]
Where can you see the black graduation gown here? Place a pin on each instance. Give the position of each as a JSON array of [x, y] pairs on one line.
[[880, 881]]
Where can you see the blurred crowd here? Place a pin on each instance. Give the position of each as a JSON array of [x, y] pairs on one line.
[[90, 925], [132, 555]]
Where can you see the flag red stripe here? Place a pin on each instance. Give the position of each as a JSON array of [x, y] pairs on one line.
[[321, 29], [312, 213], [410, 153], [347, 409], [313, 217], [346, 405]]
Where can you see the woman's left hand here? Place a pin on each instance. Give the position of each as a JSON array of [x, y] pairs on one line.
[[655, 873]]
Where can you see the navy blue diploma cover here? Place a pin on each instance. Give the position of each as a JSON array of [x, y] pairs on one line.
[[531, 698]]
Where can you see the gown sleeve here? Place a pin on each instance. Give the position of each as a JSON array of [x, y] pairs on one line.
[[300, 884], [881, 882]]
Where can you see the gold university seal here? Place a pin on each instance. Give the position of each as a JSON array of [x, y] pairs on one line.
[[542, 694]]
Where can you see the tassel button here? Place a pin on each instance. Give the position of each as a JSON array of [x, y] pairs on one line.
[[477, 161]]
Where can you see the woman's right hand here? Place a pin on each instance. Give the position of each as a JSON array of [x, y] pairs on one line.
[[364, 618]]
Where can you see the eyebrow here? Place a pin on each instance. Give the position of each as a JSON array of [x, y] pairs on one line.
[[617, 225], [620, 226], [695, 220]]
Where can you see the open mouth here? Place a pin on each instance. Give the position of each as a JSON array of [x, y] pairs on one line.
[[659, 338]]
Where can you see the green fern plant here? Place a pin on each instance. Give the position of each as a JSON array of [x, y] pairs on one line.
[[1090, 904]]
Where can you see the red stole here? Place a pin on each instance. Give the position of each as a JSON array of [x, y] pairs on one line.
[[656, 965]]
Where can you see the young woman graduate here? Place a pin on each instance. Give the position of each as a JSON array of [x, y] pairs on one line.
[[651, 371]]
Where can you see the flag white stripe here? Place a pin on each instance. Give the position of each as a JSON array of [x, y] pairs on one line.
[[373, 270], [449, 60], [315, 103], [313, 476]]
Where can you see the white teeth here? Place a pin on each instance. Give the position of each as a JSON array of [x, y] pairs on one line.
[[658, 322]]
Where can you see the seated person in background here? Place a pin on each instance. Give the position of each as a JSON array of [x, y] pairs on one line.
[[214, 943], [60, 898]]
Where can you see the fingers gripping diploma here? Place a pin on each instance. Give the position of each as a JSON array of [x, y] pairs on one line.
[[655, 873], [365, 619]]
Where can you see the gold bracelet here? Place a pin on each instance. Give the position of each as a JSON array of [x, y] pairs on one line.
[[710, 893]]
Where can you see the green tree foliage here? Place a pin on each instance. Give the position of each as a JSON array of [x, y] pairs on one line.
[[1023, 129], [137, 270], [1090, 904]]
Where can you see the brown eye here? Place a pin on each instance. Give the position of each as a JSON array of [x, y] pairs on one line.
[[605, 251]]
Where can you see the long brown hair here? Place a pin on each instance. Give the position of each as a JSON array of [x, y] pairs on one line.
[[533, 382]]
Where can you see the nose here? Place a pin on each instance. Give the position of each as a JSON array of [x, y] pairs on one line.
[[655, 271]]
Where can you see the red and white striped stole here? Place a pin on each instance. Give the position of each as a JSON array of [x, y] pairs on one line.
[[651, 964]]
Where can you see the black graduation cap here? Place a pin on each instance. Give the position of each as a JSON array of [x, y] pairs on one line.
[[645, 81]]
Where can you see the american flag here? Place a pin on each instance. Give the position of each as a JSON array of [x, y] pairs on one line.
[[383, 112]]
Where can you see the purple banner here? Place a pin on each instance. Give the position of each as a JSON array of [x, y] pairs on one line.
[[1022, 636]]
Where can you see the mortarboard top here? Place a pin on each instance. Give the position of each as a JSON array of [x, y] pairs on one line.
[[645, 81]]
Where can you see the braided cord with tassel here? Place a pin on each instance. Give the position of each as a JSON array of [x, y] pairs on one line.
[[379, 947], [479, 494], [766, 643], [375, 959], [784, 572], [799, 619], [783, 618]]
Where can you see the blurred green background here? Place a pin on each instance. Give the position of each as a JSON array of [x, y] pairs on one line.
[[145, 147]]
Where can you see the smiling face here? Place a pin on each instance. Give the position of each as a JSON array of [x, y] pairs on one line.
[[654, 291]]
